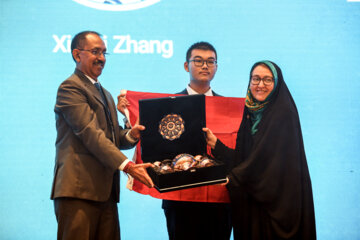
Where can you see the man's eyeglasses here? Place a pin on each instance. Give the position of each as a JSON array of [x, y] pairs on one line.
[[199, 62], [255, 80], [95, 52]]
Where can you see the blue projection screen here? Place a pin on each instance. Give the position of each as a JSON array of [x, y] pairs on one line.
[[315, 43]]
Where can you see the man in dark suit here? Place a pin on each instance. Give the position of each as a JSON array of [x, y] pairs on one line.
[[192, 219], [86, 175]]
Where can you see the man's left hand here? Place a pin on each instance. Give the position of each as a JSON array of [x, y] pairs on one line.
[[135, 130]]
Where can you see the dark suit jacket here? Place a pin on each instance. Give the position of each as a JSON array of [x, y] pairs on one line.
[[87, 161], [186, 92]]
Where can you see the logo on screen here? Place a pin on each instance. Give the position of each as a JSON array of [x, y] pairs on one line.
[[117, 5]]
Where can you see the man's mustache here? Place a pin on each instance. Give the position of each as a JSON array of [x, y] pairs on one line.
[[100, 62]]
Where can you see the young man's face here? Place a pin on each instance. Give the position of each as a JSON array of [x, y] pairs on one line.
[[206, 72]]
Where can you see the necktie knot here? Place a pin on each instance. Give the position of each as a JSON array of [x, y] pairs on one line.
[[97, 85]]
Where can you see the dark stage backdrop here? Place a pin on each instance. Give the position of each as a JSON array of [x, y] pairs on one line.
[[316, 43]]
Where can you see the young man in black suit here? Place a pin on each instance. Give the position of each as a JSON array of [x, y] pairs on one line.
[[193, 219]]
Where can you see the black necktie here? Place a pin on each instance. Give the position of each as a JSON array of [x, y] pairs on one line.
[[107, 110]]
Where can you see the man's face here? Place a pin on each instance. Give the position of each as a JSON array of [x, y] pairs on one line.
[[204, 73], [89, 57]]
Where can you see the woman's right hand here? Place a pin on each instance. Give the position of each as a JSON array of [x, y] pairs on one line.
[[210, 137]]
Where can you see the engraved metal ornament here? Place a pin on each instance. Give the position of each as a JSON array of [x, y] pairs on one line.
[[171, 127]]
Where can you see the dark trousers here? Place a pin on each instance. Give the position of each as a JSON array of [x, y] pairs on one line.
[[193, 220], [86, 220]]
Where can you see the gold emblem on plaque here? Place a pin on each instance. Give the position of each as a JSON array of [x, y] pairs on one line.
[[171, 126]]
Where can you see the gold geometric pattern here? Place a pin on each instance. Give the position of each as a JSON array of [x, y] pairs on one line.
[[171, 126]]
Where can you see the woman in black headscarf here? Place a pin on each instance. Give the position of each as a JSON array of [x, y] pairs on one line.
[[269, 182]]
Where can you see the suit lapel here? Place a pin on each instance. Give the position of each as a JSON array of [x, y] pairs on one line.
[[95, 92], [90, 86], [113, 114], [111, 105]]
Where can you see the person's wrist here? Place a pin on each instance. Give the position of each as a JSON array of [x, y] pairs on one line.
[[128, 166], [132, 136], [213, 144]]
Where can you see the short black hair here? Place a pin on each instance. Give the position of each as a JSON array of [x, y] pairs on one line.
[[78, 40], [202, 46]]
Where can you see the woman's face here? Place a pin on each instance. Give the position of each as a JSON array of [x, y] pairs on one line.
[[260, 90]]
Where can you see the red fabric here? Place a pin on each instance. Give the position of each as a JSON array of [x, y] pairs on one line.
[[223, 117], [127, 166]]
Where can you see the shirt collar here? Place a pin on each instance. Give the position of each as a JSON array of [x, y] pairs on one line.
[[92, 80], [193, 92]]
